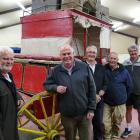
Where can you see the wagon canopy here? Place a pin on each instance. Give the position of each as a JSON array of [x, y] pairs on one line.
[[43, 33]]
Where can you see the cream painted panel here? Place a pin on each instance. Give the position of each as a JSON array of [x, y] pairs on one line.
[[44, 46], [11, 36], [139, 41], [120, 43]]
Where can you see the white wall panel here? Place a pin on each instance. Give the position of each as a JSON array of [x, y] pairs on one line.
[[11, 36], [120, 43]]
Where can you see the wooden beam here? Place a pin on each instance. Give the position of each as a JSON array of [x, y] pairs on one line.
[[6, 26], [125, 21], [13, 10]]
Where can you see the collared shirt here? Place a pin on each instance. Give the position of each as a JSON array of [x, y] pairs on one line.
[[92, 66], [6, 76], [70, 69]]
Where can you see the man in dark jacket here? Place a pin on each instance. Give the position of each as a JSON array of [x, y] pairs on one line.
[[98, 73], [8, 97], [73, 82], [118, 87]]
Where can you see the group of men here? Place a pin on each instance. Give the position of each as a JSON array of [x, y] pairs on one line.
[[91, 94], [92, 97]]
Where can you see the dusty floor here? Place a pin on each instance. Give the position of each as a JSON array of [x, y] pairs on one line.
[[135, 126]]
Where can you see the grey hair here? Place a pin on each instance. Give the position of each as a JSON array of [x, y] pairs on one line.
[[66, 47], [91, 47], [114, 53], [5, 51], [133, 47]]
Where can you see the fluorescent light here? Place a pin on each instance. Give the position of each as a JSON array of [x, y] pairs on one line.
[[117, 24], [135, 13], [121, 27], [136, 20], [28, 11], [20, 4]]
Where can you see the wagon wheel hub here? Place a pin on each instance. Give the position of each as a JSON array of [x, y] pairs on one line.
[[53, 134]]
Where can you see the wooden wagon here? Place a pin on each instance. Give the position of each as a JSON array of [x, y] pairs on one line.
[[42, 35]]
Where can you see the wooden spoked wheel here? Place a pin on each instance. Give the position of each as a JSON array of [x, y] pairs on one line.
[[40, 116]]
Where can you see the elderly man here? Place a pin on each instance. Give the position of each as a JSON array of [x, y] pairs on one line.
[[133, 66], [118, 87], [73, 82], [8, 97], [98, 73]]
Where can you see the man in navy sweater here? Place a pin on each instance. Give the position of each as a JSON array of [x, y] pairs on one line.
[[119, 85]]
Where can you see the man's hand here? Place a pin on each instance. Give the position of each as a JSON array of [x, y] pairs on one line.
[[90, 115], [20, 103], [98, 98], [61, 89], [101, 92]]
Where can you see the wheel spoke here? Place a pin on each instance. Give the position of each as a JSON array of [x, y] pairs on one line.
[[56, 122], [41, 138], [19, 121], [53, 109], [34, 119], [32, 131], [44, 113], [60, 127], [24, 123]]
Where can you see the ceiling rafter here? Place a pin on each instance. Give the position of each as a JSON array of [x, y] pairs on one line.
[[10, 25], [125, 21], [14, 9]]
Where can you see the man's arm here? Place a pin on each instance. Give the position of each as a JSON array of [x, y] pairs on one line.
[[129, 83], [104, 86], [50, 83], [92, 93]]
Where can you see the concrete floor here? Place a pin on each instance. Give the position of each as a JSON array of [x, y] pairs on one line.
[[135, 127]]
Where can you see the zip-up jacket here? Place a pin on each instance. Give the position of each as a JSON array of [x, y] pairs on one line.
[[134, 71], [118, 87], [80, 94]]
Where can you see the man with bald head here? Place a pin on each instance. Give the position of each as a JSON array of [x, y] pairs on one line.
[[74, 84], [118, 87]]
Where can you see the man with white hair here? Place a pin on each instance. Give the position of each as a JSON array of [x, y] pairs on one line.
[[73, 81], [98, 73], [8, 97], [133, 66]]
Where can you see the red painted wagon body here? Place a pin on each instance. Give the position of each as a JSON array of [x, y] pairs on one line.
[[42, 35]]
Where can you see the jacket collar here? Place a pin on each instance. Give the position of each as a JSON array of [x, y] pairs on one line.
[[74, 68], [120, 67]]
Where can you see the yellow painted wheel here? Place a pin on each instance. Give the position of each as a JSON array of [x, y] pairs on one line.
[[46, 128]]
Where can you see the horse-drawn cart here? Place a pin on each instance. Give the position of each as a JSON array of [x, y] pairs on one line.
[[42, 35]]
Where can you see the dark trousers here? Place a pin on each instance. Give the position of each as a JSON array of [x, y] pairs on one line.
[[98, 122], [72, 125]]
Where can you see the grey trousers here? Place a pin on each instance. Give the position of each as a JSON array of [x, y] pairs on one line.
[[78, 124]]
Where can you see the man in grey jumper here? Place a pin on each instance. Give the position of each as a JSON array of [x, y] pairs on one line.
[[133, 66]]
